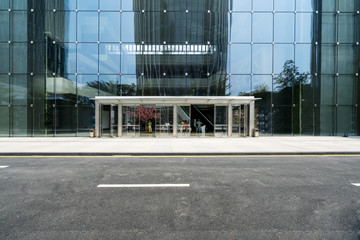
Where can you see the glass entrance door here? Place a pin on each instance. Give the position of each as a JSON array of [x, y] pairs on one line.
[[183, 121], [108, 121], [221, 121], [202, 120], [240, 120], [163, 121], [130, 123]]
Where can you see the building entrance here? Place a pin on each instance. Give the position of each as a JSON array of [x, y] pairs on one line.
[[202, 119], [174, 116]]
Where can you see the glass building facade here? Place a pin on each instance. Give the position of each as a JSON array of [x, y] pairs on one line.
[[301, 57]]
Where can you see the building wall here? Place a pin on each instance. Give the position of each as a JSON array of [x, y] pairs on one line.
[[300, 57]]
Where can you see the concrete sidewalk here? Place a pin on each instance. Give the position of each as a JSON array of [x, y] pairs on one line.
[[181, 146]]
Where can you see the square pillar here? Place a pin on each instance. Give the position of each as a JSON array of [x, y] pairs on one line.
[[112, 120], [252, 118], [175, 124], [230, 120], [97, 119], [119, 120]]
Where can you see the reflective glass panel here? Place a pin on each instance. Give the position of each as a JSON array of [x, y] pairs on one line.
[[283, 88], [128, 25], [87, 87], [282, 53], [304, 27], [18, 89], [19, 4], [65, 89], [347, 56], [20, 24], [4, 26], [4, 90], [347, 5], [65, 23], [87, 58], [262, 88], [240, 85], [346, 90], [18, 62], [68, 61], [284, 28], [198, 27], [18, 116], [4, 121], [86, 119], [109, 85], [240, 58], [346, 121], [240, 27], [262, 27], [128, 5], [346, 28], [4, 58], [262, 59], [65, 4], [109, 30], [109, 58], [306, 5], [263, 5], [282, 120], [244, 5], [328, 59], [328, 28], [4, 5], [303, 57], [131, 62], [87, 27], [328, 5], [327, 90], [129, 85], [88, 4], [327, 120], [66, 121], [197, 5], [110, 5], [220, 85], [284, 5]]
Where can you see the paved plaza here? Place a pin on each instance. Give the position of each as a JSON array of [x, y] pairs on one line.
[[173, 146]]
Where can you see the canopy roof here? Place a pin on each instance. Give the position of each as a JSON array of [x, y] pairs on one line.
[[170, 100]]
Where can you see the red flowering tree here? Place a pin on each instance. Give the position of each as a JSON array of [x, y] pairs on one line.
[[144, 114]]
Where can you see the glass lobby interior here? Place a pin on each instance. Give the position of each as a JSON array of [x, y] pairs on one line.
[[174, 117]]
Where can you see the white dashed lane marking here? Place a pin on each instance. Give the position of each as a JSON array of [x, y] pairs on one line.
[[4, 166], [356, 184], [141, 185]]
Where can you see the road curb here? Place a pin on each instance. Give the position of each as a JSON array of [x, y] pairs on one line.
[[172, 153]]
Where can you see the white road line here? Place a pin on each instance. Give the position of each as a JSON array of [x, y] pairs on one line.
[[4, 166], [356, 184], [141, 185]]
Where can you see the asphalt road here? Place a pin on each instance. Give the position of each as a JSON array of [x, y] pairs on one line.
[[288, 197]]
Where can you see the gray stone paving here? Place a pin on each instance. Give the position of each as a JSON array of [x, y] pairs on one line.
[[261, 145]]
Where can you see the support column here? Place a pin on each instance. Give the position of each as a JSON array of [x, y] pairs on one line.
[[175, 120], [251, 118], [97, 119], [229, 120], [119, 120], [112, 120]]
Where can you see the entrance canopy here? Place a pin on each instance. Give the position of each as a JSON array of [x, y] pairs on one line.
[[233, 108], [167, 101]]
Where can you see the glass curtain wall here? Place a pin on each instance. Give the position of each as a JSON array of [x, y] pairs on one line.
[[300, 57]]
